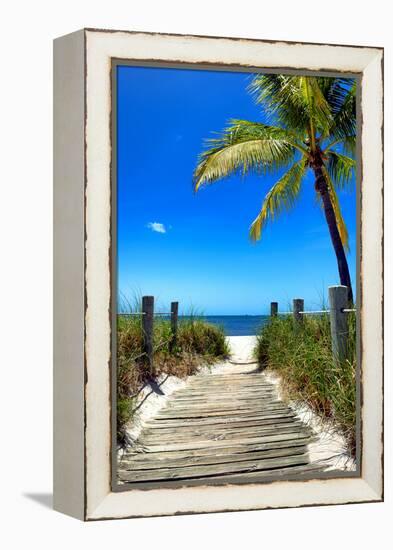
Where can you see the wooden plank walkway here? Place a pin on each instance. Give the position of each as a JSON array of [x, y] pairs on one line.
[[220, 427]]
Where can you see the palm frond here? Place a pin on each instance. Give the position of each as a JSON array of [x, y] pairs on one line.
[[281, 197], [293, 101], [242, 147], [344, 124], [336, 91], [276, 94], [340, 168], [342, 228], [348, 145], [316, 104]]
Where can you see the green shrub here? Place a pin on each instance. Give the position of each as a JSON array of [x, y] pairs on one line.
[[301, 354], [201, 338]]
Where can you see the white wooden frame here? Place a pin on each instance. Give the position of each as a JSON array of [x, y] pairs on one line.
[[82, 420]]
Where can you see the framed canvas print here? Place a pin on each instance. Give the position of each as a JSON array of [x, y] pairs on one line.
[[218, 274]]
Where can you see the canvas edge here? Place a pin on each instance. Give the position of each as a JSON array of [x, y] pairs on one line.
[[68, 271], [100, 511], [372, 274]]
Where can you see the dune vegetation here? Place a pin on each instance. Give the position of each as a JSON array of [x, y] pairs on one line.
[[198, 343], [301, 354]]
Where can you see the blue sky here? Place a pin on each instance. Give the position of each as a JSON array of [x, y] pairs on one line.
[[194, 248]]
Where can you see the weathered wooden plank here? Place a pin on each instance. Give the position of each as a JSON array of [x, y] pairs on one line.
[[213, 416], [222, 388], [226, 390], [220, 427], [222, 384], [221, 392], [218, 381], [223, 401], [204, 440], [217, 422], [172, 413], [147, 328], [242, 440], [291, 472], [215, 435], [256, 404], [205, 427], [196, 420], [218, 389], [231, 393], [286, 440], [250, 401], [149, 463], [195, 435], [218, 407], [230, 378], [195, 471], [224, 397]]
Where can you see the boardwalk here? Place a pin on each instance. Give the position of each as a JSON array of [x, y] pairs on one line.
[[223, 427]]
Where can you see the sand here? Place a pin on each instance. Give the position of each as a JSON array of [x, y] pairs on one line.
[[330, 448]]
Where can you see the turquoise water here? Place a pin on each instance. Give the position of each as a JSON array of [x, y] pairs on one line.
[[238, 325]]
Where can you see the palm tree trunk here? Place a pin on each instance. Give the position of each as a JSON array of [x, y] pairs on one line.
[[322, 188]]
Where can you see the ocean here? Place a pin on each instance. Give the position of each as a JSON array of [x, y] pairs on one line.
[[237, 325]]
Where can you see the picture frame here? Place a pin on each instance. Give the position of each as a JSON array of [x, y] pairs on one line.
[[83, 271]]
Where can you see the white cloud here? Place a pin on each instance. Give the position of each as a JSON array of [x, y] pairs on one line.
[[157, 227]]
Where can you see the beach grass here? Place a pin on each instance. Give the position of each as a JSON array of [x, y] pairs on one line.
[[198, 343], [301, 354]]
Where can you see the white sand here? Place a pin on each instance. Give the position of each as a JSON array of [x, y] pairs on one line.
[[329, 449], [148, 403], [241, 359], [242, 348]]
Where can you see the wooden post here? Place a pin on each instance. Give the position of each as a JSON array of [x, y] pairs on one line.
[[174, 318], [147, 328], [338, 299], [298, 306], [273, 309]]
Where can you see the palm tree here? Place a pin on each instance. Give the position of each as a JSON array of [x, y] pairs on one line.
[[313, 128]]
